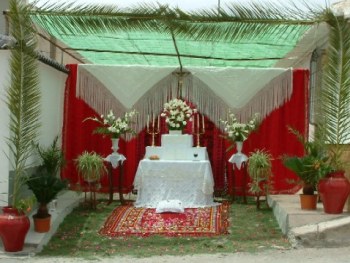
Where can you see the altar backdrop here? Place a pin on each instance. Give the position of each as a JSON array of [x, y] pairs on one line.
[[282, 100]]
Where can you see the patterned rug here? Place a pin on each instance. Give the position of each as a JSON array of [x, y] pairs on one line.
[[129, 220]]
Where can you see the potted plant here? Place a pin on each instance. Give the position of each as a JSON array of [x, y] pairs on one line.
[[91, 166], [310, 168], [259, 170], [45, 183], [23, 102], [333, 118]]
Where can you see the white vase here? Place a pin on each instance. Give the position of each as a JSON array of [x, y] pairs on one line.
[[115, 144], [239, 146], [175, 132], [238, 158]]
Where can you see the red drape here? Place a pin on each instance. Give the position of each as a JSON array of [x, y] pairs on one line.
[[272, 136]]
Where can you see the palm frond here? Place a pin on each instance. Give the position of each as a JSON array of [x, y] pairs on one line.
[[335, 94], [232, 24], [23, 95]]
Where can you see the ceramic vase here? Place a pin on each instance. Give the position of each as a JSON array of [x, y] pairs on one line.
[[14, 227], [334, 190], [239, 146], [115, 144]]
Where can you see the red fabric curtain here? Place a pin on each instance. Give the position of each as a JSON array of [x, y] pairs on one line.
[[272, 136]]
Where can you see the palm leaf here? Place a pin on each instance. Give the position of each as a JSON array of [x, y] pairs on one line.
[[23, 95], [335, 95], [236, 23]]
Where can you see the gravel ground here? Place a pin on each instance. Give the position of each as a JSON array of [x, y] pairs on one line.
[[305, 255]]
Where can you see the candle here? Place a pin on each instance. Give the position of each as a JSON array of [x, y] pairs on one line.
[[198, 122], [193, 124], [203, 123], [158, 122], [147, 122]]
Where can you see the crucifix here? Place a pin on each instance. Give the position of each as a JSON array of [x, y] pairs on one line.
[[180, 79]]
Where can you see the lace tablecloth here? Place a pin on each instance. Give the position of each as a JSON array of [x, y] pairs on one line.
[[191, 182]]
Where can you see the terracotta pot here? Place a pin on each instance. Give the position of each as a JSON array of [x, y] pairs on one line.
[[13, 229], [42, 225], [334, 190], [308, 202]]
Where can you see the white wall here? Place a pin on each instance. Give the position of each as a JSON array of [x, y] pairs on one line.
[[52, 84], [4, 130], [4, 5]]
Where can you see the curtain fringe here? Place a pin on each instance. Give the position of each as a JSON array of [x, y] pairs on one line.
[[98, 97], [269, 98]]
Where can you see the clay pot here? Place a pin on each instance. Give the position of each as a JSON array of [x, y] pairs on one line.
[[42, 225], [334, 190], [14, 227], [308, 202]]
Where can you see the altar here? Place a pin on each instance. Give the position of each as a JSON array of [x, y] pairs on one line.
[[189, 181]]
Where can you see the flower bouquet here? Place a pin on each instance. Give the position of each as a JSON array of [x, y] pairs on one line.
[[114, 127], [177, 113]]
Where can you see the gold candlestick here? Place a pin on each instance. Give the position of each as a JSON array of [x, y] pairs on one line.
[[200, 131], [153, 131]]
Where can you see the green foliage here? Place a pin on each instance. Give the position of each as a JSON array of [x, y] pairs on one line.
[[311, 167], [236, 23], [250, 230], [23, 96], [259, 170], [45, 187], [52, 158], [90, 165], [44, 182], [334, 118]]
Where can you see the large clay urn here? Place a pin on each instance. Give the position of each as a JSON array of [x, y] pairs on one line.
[[14, 227], [334, 190]]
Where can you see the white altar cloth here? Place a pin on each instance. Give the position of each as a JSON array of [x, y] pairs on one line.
[[191, 182], [177, 153]]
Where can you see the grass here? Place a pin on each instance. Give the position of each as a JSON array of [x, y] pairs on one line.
[[251, 230]]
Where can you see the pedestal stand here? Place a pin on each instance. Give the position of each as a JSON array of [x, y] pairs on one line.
[[239, 161], [115, 160]]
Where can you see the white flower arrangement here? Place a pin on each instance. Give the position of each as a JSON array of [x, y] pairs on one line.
[[237, 131], [114, 127], [177, 114]]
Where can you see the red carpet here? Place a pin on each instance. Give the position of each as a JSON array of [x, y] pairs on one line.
[[129, 220]]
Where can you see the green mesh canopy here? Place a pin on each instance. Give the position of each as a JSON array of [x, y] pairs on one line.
[[147, 47]]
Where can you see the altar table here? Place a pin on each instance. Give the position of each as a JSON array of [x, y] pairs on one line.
[[191, 182]]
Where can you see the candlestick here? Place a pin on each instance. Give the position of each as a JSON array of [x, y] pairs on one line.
[[203, 126], [153, 131], [199, 130], [193, 124], [198, 121], [147, 122]]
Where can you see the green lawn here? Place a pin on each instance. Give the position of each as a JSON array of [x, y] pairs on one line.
[[250, 230]]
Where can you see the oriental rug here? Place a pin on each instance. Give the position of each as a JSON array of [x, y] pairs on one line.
[[131, 221]]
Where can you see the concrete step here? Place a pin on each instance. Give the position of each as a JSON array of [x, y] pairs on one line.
[[309, 228]]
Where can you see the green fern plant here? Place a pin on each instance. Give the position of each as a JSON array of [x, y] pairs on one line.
[[90, 165], [260, 172]]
